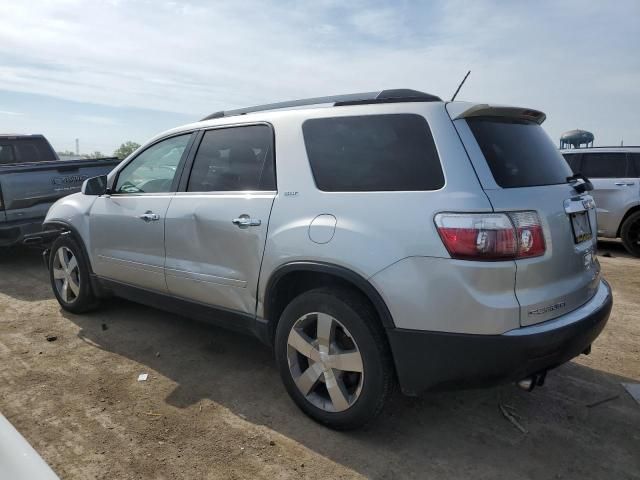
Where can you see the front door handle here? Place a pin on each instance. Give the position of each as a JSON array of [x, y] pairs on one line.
[[244, 221], [149, 216], [625, 184]]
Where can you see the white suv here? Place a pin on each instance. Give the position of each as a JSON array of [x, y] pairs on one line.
[[370, 239], [615, 175]]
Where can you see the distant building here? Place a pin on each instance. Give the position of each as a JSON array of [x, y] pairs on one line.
[[576, 138]]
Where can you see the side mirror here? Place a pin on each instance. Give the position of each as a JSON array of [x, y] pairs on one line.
[[95, 185]]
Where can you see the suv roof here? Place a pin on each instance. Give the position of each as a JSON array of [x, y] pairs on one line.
[[630, 148], [383, 96]]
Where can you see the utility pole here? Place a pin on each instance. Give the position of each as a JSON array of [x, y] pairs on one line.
[[77, 146]]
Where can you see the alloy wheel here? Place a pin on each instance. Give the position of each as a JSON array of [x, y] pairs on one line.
[[325, 362], [66, 274]]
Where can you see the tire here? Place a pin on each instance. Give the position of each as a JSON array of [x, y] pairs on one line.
[[78, 299], [340, 399], [630, 234]]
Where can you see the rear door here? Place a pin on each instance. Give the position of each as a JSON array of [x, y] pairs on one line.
[[521, 169], [614, 187], [217, 223], [127, 227]]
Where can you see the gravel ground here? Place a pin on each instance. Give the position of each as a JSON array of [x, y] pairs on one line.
[[213, 405]]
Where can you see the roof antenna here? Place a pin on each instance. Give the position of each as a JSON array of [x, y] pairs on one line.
[[460, 86]]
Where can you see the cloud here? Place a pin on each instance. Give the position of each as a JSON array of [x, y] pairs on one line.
[[12, 114], [571, 60], [95, 119]]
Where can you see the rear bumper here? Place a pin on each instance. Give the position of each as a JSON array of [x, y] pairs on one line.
[[32, 230], [441, 361]]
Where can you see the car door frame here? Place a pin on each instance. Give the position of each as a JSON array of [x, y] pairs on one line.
[[113, 179], [111, 194], [183, 184]]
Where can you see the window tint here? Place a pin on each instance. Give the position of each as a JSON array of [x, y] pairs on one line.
[[234, 159], [372, 153], [635, 158], [154, 169], [25, 150], [519, 153], [573, 161], [7, 154], [604, 165]]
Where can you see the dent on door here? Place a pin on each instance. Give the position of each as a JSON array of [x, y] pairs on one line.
[[214, 246]]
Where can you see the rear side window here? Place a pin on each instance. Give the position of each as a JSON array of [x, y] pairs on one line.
[[372, 153], [573, 160], [519, 153], [25, 150], [234, 159], [604, 165], [635, 158]]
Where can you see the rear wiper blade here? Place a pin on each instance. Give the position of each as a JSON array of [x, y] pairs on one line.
[[580, 187]]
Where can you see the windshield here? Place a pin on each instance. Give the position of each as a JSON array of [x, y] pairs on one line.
[[519, 153]]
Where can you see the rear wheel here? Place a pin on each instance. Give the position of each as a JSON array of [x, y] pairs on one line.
[[69, 275], [630, 233], [333, 357]]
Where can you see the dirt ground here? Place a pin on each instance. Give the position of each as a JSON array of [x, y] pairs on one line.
[[213, 405]]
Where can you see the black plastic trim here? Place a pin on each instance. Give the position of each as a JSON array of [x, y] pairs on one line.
[[311, 266], [223, 317], [433, 361]]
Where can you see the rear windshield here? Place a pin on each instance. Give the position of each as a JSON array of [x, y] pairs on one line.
[[519, 153], [372, 153], [25, 150]]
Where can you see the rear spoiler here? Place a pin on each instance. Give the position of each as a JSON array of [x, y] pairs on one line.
[[484, 110]]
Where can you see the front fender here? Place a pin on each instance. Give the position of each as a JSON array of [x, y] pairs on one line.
[[72, 213]]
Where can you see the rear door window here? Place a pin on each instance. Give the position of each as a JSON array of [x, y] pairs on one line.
[[573, 159], [604, 165], [519, 153], [25, 150], [234, 159], [373, 153], [635, 158]]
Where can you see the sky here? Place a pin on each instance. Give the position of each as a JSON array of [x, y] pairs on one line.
[[116, 70]]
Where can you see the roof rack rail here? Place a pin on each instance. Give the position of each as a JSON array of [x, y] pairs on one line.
[[383, 96]]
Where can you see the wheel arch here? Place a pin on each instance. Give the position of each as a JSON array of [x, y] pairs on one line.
[[629, 212], [294, 278], [68, 229]]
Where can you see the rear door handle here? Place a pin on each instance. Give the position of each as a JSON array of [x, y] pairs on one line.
[[149, 216], [625, 184], [244, 221]]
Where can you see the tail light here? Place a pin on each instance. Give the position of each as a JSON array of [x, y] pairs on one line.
[[491, 236]]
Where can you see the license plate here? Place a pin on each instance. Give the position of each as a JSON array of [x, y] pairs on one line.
[[581, 227]]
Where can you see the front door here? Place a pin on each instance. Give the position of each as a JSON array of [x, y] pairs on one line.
[[216, 225], [613, 187], [127, 227]]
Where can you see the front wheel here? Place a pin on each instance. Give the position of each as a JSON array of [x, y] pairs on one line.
[[69, 275], [333, 357], [630, 234]]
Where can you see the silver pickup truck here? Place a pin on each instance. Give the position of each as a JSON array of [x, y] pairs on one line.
[[32, 178], [615, 175]]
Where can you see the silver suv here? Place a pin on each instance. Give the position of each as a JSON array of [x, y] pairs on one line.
[[371, 239], [615, 175]]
